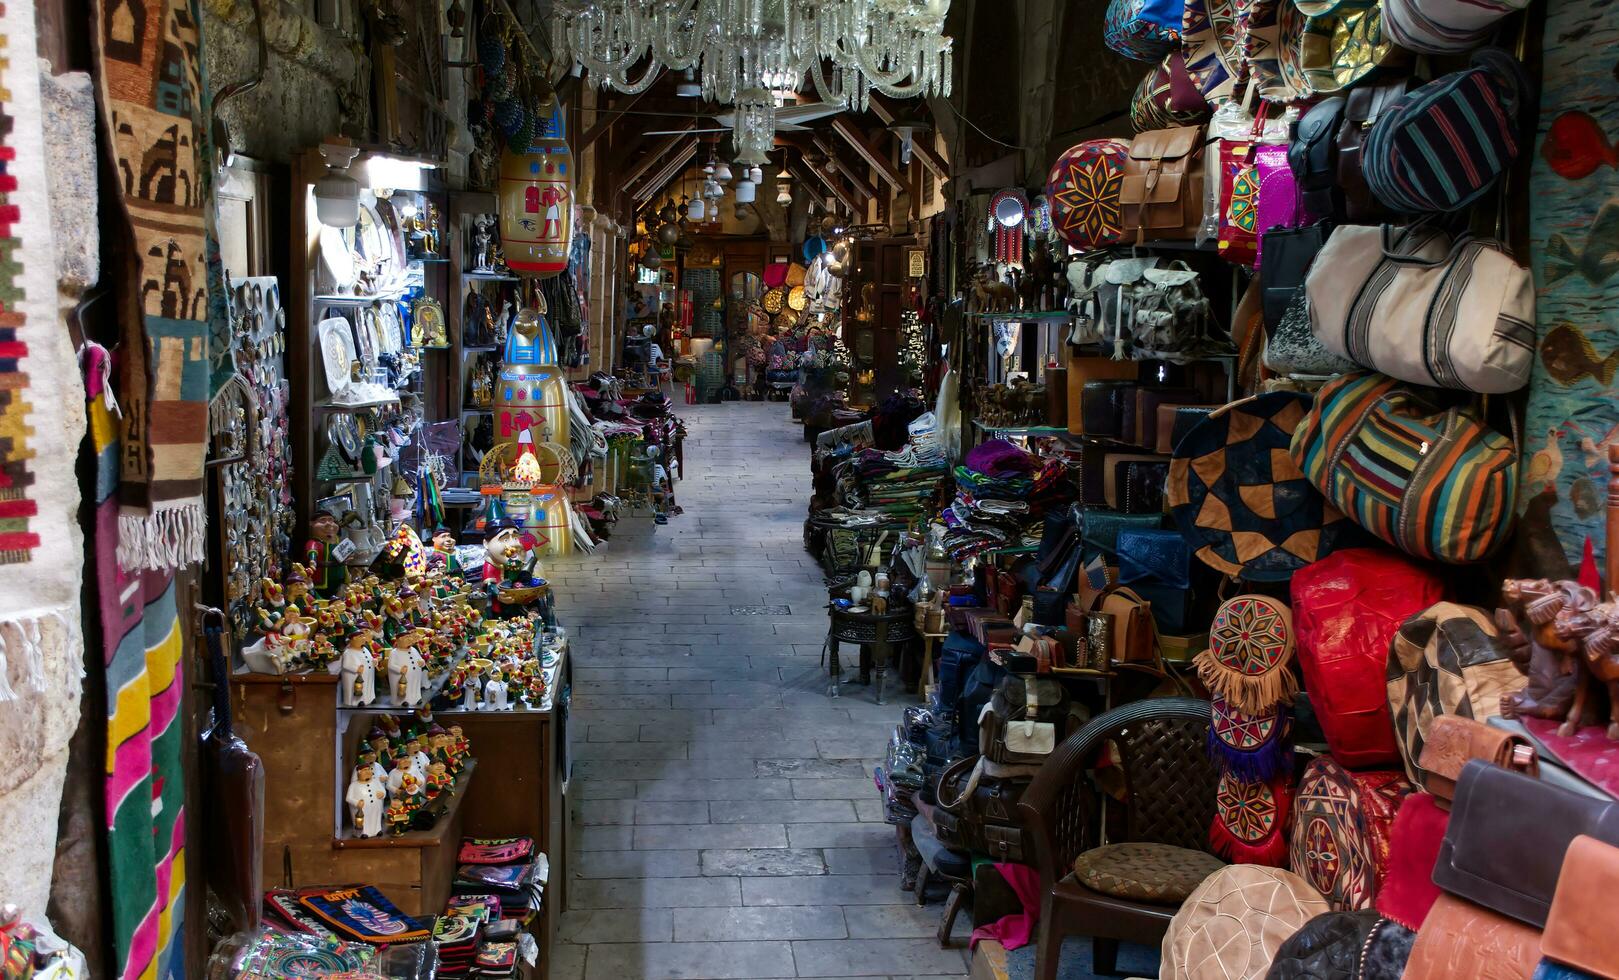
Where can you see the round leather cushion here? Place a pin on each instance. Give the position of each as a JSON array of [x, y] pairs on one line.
[[1159, 873], [1233, 924]]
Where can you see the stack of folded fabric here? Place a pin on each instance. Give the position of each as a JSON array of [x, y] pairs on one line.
[[1002, 496], [898, 484], [507, 869]]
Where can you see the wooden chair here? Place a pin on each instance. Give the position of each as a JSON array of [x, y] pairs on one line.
[[1169, 784]]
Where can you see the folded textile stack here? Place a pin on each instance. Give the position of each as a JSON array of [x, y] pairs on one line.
[[1002, 495], [896, 484], [457, 938]]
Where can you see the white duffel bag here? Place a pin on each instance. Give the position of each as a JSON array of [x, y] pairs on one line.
[[1419, 307]]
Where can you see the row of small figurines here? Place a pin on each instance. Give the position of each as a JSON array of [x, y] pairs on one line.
[[378, 794], [410, 674]]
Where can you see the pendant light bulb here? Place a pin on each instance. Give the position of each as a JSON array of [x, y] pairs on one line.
[[722, 172], [337, 195], [746, 191], [696, 209]]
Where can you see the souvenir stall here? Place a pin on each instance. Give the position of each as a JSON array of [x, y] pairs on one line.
[[1272, 345]]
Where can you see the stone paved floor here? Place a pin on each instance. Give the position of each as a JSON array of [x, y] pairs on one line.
[[725, 820]]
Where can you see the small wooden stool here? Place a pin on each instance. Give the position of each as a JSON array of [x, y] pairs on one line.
[[939, 861]]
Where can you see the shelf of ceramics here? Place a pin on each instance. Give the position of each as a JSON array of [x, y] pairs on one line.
[[416, 838], [385, 704], [552, 673]]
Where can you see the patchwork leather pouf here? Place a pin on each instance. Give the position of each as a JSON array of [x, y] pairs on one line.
[[1341, 821], [1233, 924]]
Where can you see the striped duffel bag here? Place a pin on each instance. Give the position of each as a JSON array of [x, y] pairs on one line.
[[1435, 482], [1417, 306]]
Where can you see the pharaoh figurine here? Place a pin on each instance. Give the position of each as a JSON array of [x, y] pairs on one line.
[[329, 572], [439, 780], [365, 799], [483, 241], [357, 671], [494, 691], [407, 669]]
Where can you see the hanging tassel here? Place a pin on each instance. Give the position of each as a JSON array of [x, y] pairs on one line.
[[1266, 761]]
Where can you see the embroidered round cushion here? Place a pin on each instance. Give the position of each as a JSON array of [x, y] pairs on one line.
[[1340, 836], [1159, 873], [1083, 188]]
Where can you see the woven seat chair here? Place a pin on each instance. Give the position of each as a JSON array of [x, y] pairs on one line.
[[1170, 787]]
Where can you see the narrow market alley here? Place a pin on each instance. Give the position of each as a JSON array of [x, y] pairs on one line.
[[725, 822]]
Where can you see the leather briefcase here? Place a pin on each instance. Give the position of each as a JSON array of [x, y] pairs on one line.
[[1102, 406], [1161, 193], [1141, 419], [1110, 472], [1453, 741], [1580, 929], [1459, 939], [1508, 835]]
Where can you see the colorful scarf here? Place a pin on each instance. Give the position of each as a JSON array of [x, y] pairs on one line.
[[149, 69], [145, 782], [41, 420]]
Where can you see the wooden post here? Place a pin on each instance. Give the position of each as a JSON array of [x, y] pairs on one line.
[[1610, 561]]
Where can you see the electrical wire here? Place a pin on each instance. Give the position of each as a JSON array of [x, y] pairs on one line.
[[979, 129]]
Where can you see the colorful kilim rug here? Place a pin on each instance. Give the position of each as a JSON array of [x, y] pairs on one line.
[[145, 788], [41, 420], [149, 70], [1573, 412]]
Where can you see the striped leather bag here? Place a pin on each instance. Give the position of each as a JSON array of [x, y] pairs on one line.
[[1437, 483], [1417, 306]]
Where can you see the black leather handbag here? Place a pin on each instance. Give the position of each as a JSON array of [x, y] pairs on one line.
[[1312, 155], [977, 809], [1289, 253]]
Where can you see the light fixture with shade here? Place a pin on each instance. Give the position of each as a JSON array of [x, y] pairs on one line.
[[667, 214], [722, 171], [907, 129], [337, 195], [688, 87], [756, 174], [697, 208], [784, 184], [746, 191]]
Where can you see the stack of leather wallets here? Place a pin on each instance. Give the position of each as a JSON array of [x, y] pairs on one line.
[[507, 877]]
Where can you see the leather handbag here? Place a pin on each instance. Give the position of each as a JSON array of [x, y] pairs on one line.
[[1508, 836], [1460, 939], [1135, 642], [1580, 926], [1083, 371], [1182, 419], [1364, 105], [1144, 485], [1159, 556], [1312, 155], [1452, 742], [1280, 206], [1239, 201], [977, 809], [1103, 527], [1289, 254], [1292, 349], [1161, 196], [1113, 473], [1374, 291], [1141, 419], [1102, 406], [1436, 483]]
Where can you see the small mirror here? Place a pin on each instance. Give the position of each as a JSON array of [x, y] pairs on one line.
[[1009, 212]]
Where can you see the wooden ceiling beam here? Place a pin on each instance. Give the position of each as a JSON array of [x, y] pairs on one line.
[[673, 166], [921, 147], [658, 154], [804, 173], [862, 186], [606, 118], [876, 159]]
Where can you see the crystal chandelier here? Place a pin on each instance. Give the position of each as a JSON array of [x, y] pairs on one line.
[[845, 48]]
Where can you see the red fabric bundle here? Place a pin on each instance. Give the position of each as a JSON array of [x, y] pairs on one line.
[[1408, 890], [1346, 610]]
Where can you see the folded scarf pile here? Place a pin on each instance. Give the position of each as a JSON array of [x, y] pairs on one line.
[[1002, 495]]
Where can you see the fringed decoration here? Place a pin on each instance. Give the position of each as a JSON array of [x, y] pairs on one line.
[[1251, 747], [1250, 821], [1249, 692], [24, 641], [164, 540]]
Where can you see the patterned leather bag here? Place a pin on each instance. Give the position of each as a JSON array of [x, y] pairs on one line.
[[1436, 483], [1341, 822], [1168, 97]]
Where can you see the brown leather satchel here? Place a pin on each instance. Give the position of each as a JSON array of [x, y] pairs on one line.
[[1453, 741], [1365, 104], [1135, 643], [1580, 929], [1161, 195], [1459, 939], [1507, 836]]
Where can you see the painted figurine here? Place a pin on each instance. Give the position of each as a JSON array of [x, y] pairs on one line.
[[438, 780], [357, 672], [329, 573], [398, 816], [407, 670], [494, 691], [365, 800], [442, 558]]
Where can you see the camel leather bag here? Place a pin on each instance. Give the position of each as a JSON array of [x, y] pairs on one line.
[[1419, 307], [1161, 194]]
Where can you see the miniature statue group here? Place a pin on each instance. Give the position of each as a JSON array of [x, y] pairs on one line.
[[400, 771]]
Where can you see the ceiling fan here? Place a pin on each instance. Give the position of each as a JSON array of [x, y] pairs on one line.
[[788, 119]]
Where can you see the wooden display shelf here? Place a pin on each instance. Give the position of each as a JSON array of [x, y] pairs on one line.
[[438, 834]]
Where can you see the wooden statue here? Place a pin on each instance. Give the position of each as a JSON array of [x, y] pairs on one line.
[[989, 294]]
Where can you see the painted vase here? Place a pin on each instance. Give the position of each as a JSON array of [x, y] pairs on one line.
[[536, 202]]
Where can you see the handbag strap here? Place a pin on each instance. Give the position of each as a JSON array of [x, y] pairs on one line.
[[949, 776], [213, 634]]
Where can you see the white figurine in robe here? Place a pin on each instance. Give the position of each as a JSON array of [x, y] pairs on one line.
[[358, 672], [407, 670], [365, 799]]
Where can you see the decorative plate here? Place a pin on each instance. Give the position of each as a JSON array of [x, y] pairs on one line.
[[337, 353], [1211, 37], [796, 300], [772, 300], [1083, 188]]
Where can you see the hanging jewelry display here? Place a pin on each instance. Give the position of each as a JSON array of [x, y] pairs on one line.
[[1008, 216]]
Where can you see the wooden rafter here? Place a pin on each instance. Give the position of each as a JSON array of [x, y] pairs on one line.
[[874, 157], [673, 166], [862, 186], [804, 174], [922, 147], [606, 117], [658, 154]]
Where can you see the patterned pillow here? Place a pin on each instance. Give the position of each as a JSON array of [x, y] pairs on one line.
[[1159, 873], [1341, 822]]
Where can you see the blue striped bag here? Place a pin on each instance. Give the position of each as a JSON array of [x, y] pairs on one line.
[[1444, 145]]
